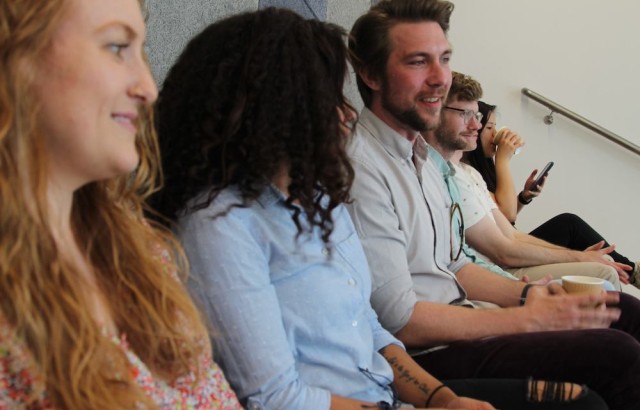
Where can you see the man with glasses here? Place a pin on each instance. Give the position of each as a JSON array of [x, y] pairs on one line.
[[468, 122], [423, 285], [487, 229]]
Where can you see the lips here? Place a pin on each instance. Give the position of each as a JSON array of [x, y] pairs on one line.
[[127, 120], [430, 99], [431, 104]]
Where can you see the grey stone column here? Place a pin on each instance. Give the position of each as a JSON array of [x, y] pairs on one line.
[[172, 23]]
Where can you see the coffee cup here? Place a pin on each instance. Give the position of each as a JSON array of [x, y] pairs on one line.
[[498, 137], [582, 284]]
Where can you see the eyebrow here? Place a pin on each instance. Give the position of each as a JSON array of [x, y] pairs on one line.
[[130, 33], [427, 54]]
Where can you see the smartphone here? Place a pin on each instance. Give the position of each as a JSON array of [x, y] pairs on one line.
[[543, 173]]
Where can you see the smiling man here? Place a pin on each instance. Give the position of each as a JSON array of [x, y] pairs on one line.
[[423, 283]]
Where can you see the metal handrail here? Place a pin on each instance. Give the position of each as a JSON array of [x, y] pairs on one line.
[[555, 107]]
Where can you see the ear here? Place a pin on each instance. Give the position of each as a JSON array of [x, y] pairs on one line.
[[370, 80]]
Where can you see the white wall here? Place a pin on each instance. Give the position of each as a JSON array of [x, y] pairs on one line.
[[584, 55]]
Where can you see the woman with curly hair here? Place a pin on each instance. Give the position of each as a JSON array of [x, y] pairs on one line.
[[252, 124], [92, 315]]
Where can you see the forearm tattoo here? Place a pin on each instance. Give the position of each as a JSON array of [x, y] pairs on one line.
[[405, 375]]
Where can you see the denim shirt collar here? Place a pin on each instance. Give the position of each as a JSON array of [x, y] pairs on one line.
[[270, 195]]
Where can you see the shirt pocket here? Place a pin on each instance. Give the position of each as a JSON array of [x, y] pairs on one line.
[[349, 254], [295, 258]]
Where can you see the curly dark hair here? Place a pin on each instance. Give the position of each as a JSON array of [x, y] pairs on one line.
[[251, 94], [369, 42]]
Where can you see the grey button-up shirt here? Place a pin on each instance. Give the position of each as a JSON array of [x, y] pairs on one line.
[[401, 210]]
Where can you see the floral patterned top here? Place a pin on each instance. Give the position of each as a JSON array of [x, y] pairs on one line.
[[17, 378]]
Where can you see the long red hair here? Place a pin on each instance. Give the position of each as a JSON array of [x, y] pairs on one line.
[[42, 298]]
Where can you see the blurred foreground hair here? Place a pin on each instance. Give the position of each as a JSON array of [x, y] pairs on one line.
[[43, 298]]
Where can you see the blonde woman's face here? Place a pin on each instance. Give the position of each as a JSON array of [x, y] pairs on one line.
[[92, 82]]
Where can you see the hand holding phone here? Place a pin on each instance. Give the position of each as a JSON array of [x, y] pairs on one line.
[[542, 174]]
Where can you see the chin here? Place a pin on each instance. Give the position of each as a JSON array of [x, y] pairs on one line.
[[126, 165], [489, 152]]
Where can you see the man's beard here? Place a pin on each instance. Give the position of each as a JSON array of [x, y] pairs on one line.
[[447, 138], [408, 117]]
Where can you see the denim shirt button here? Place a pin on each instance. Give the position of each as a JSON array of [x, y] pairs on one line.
[[354, 323], [351, 282]]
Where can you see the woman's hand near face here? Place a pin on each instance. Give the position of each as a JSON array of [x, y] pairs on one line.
[[505, 193], [508, 143]]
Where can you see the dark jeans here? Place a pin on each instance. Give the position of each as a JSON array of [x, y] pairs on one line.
[[507, 394], [572, 232], [606, 360]]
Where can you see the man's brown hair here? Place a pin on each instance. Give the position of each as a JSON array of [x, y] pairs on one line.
[[369, 42], [464, 88]]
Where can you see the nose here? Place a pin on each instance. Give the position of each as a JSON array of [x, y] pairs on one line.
[[474, 123], [439, 75], [144, 86]]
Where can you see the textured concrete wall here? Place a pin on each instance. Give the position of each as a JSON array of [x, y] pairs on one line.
[[307, 8], [345, 13], [172, 23]]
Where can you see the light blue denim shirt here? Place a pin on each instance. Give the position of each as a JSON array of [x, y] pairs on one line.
[[291, 318]]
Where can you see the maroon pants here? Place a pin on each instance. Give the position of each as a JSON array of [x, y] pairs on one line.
[[507, 394], [606, 360]]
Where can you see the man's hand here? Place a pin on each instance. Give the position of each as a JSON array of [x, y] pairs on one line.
[[595, 247], [598, 253], [542, 281], [552, 308]]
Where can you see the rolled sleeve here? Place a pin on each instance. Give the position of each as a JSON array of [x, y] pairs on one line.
[[384, 243], [463, 261], [381, 337]]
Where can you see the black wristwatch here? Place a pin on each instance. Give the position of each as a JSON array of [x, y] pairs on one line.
[[522, 200], [523, 295]]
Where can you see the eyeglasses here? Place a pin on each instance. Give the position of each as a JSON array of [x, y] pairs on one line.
[[457, 226], [467, 114]]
